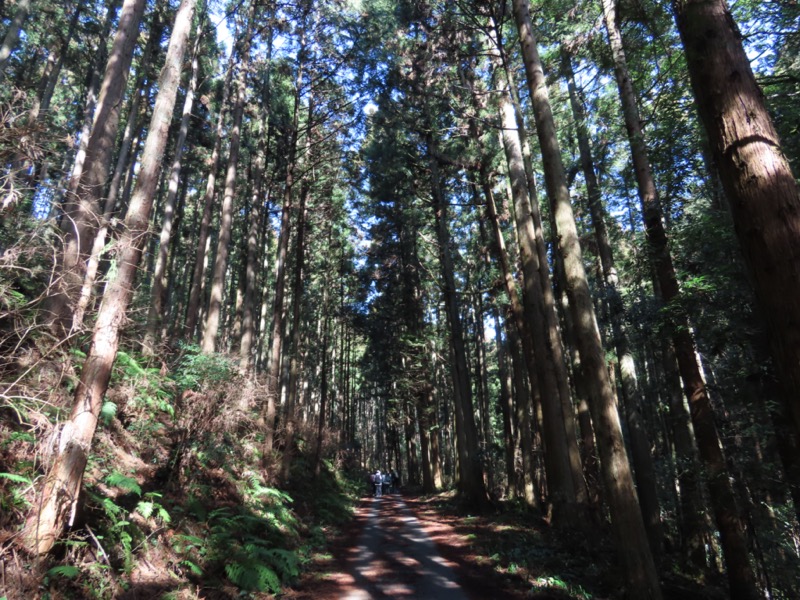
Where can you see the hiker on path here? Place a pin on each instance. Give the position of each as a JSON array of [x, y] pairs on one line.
[[377, 480], [387, 483]]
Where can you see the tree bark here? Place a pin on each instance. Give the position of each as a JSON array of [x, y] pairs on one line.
[[518, 158], [560, 476], [471, 485], [211, 330], [632, 543], [290, 411], [61, 488], [278, 324], [193, 304], [732, 534], [130, 136], [762, 191], [644, 471], [257, 207], [506, 403], [82, 212], [556, 473], [158, 289]]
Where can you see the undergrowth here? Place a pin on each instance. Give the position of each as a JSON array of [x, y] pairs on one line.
[[176, 496]]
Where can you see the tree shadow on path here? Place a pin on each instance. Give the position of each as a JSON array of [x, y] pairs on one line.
[[389, 553]]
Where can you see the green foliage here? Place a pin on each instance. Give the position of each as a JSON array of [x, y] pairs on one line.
[[150, 506], [152, 390], [68, 571], [117, 479], [249, 570], [65, 571], [14, 499], [243, 545], [197, 370], [108, 412], [16, 478]]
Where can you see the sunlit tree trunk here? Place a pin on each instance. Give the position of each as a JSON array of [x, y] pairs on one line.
[[278, 324], [193, 304], [61, 487], [518, 159], [632, 543], [732, 534], [82, 211], [159, 287], [560, 476], [141, 89], [211, 330], [646, 483]]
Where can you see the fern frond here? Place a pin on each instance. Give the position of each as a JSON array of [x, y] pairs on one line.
[[129, 484], [68, 571]]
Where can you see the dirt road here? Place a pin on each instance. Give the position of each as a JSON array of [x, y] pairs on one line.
[[395, 557], [407, 548]]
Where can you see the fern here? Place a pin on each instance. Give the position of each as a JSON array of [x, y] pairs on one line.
[[68, 571], [193, 567], [285, 561], [163, 514], [129, 484], [129, 363], [184, 543], [252, 576], [145, 508], [108, 411], [16, 478]]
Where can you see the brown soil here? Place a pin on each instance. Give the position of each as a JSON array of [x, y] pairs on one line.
[[393, 571]]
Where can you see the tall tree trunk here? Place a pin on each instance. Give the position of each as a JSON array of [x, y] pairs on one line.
[[251, 266], [632, 543], [278, 325], [762, 191], [141, 89], [194, 302], [61, 488], [259, 208], [290, 411], [211, 330], [158, 289], [90, 103], [52, 70], [646, 483], [470, 472], [557, 472], [560, 476], [82, 211], [518, 158], [732, 535], [506, 402], [323, 383]]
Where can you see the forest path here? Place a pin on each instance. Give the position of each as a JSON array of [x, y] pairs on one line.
[[395, 557], [397, 547]]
